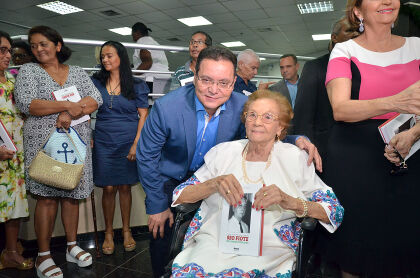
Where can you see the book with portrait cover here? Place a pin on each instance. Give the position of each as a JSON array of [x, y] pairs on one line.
[[5, 139], [241, 229], [70, 94], [397, 124]]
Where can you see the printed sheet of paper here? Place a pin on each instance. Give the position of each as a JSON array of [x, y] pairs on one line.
[[70, 94], [5, 139]]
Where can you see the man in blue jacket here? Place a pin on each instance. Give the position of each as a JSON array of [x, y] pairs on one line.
[[182, 126]]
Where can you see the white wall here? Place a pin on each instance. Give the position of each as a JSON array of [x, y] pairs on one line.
[[138, 215]]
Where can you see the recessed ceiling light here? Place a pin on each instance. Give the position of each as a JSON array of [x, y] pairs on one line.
[[316, 7], [262, 59], [125, 31], [59, 7], [194, 21], [321, 37], [173, 51], [233, 44]]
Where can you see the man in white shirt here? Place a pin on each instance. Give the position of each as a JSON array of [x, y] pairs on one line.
[[144, 59]]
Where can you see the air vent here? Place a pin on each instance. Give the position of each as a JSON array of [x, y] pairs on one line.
[[174, 40], [110, 13], [266, 29]]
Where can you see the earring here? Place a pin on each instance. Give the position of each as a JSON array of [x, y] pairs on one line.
[[361, 26], [393, 25]]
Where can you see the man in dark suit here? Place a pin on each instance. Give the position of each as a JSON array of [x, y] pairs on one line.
[[289, 67], [313, 114], [182, 126]]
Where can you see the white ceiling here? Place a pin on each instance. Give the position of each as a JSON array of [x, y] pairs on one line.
[[244, 20]]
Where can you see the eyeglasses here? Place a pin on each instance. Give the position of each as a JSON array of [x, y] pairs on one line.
[[4, 49], [221, 84], [192, 42], [266, 118]]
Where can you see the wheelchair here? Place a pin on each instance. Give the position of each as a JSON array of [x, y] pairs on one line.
[[185, 213]]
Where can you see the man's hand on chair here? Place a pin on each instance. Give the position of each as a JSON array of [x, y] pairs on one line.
[[157, 222]]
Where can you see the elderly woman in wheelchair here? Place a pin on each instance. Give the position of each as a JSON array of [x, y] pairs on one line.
[[289, 189]]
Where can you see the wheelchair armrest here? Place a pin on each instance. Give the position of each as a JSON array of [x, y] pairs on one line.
[[309, 223], [187, 208]]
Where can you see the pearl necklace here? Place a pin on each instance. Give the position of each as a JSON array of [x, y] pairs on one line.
[[246, 178]]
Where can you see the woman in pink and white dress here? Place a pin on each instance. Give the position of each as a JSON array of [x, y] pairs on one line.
[[370, 79]]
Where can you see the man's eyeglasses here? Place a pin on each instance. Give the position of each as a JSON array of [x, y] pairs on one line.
[[4, 49], [222, 84], [266, 118], [192, 42]]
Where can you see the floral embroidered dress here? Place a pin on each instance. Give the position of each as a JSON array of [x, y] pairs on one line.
[[288, 170], [13, 202]]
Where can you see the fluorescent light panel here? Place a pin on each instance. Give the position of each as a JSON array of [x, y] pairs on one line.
[[233, 44], [125, 31], [59, 7], [316, 7], [194, 21], [262, 59], [321, 37]]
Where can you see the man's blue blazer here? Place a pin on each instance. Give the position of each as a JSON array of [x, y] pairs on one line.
[[167, 142]]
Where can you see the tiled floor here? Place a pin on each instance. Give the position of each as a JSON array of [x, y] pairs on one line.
[[120, 264]]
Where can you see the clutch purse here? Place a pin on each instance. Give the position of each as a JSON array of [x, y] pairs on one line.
[[47, 170]]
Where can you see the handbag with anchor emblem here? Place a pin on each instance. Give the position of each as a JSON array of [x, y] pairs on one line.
[[59, 162]]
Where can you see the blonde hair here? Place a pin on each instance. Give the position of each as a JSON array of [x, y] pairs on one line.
[[351, 17], [285, 109]]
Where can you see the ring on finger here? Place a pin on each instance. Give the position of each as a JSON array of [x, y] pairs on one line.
[[228, 192], [265, 194]]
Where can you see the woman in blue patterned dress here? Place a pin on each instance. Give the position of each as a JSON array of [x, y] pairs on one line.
[[292, 190], [118, 125]]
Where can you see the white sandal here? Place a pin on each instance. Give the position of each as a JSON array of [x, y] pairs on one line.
[[46, 264], [71, 256]]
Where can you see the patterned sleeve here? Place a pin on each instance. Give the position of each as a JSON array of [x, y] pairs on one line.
[[87, 88], [315, 190], [178, 190], [26, 87], [339, 64]]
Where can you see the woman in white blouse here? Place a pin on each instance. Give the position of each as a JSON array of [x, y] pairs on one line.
[[292, 189]]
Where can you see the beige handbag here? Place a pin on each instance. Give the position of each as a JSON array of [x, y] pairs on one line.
[[45, 169]]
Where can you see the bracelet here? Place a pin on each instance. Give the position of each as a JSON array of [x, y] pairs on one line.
[[305, 209]]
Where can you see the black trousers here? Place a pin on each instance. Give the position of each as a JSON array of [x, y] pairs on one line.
[[159, 247]]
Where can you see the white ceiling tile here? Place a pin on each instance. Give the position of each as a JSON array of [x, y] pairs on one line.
[[275, 3], [180, 12], [222, 18], [86, 4], [164, 4], [153, 17], [207, 9], [287, 11], [136, 8], [237, 25], [241, 5], [250, 14]]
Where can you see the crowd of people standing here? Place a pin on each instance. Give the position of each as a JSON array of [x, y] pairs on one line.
[[206, 139]]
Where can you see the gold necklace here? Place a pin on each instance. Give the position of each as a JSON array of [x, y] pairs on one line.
[[246, 178]]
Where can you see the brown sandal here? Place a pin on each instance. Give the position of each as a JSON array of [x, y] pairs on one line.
[[108, 246], [129, 243], [27, 263]]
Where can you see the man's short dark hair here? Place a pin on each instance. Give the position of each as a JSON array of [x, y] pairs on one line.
[[140, 27], [215, 53], [289, 55], [208, 41]]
